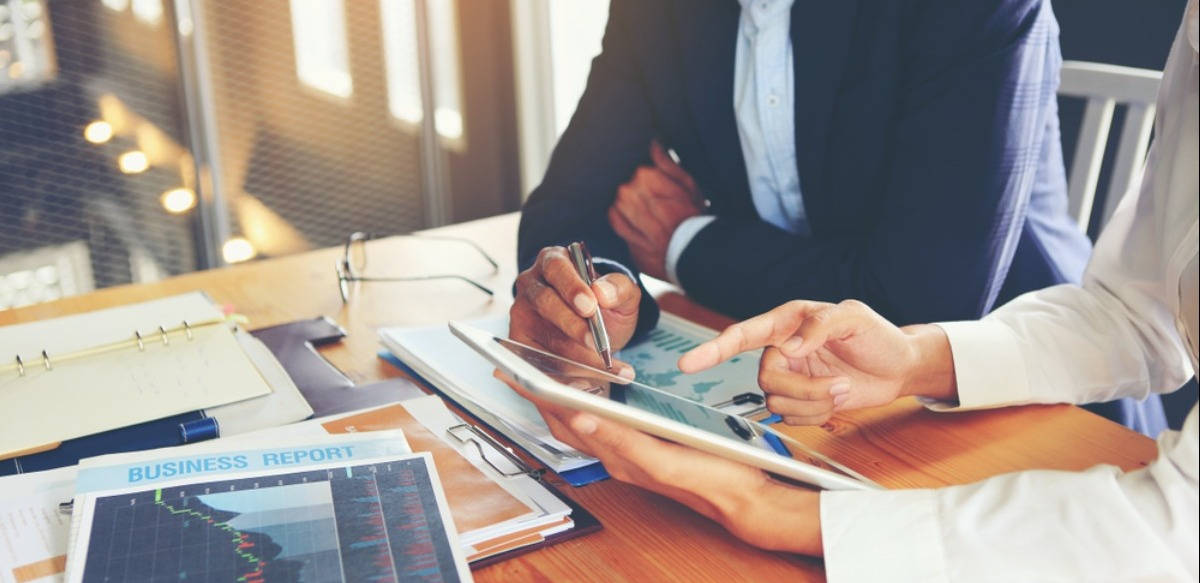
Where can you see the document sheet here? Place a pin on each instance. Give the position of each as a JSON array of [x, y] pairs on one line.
[[336, 509]]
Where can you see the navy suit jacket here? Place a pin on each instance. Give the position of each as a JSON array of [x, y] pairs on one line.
[[927, 148]]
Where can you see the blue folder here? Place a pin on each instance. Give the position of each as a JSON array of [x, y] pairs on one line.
[[175, 430]]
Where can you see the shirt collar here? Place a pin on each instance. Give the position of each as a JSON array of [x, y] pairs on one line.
[[765, 13]]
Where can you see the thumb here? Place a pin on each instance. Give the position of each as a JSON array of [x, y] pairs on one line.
[[618, 293], [606, 436]]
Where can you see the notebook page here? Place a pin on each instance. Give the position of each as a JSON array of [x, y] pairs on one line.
[[120, 388], [72, 333]]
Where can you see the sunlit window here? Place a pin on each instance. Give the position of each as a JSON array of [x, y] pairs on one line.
[[400, 58], [319, 38], [148, 11], [443, 40], [576, 29], [403, 66]]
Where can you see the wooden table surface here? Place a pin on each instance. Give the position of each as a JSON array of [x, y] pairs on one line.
[[645, 537]]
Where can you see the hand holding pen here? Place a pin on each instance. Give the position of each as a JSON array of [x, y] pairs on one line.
[[554, 306], [582, 260]]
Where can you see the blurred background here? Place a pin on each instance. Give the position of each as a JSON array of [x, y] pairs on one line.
[[141, 139]]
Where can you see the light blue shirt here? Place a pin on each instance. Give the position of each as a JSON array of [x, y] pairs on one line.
[[764, 104]]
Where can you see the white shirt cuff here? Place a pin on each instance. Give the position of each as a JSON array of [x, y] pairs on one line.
[[988, 365], [683, 235], [886, 535], [601, 261]]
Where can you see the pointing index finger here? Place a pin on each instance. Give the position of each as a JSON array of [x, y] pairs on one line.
[[766, 329]]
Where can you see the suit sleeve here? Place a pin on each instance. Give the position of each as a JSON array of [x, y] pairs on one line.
[[608, 138], [980, 89]]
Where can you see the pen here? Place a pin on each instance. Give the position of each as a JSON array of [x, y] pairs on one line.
[[587, 271]]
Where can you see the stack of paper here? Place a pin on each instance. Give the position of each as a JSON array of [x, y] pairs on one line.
[[494, 513], [330, 508], [33, 530]]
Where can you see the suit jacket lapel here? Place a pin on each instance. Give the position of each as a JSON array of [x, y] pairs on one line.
[[821, 31], [707, 32]]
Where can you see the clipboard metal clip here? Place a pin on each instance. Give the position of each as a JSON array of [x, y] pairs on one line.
[[474, 436], [743, 399]]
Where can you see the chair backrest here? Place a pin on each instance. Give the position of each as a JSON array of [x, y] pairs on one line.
[[1104, 86]]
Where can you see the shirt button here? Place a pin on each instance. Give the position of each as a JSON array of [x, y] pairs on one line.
[[773, 100]]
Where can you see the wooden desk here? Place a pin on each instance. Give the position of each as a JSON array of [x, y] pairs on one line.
[[646, 537]]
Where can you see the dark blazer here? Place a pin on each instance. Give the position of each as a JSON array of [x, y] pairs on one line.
[[927, 148]]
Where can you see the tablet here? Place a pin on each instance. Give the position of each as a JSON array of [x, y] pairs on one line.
[[577, 386]]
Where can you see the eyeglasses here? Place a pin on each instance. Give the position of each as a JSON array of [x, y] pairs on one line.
[[354, 263]]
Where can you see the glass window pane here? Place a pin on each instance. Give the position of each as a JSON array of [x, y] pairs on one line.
[[576, 29], [443, 39], [319, 39], [403, 66], [400, 59]]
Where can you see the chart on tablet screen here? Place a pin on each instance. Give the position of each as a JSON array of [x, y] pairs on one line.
[[655, 359]]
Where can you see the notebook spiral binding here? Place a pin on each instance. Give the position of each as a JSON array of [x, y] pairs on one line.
[[187, 329]]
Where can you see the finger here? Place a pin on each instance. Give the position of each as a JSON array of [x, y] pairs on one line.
[[765, 329], [663, 161], [514, 385], [655, 184], [549, 306], [789, 407], [832, 323], [573, 350], [652, 463], [557, 421], [609, 437], [805, 420], [803, 387], [539, 334], [559, 272], [778, 375], [640, 202], [624, 370], [617, 293], [546, 408], [622, 226], [630, 215]]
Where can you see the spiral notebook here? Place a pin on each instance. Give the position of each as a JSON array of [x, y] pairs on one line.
[[79, 375]]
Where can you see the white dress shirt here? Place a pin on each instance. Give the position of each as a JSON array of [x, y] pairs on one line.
[[1128, 330], [764, 105]]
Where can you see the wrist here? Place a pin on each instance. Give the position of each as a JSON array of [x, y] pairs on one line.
[[931, 370], [778, 517]]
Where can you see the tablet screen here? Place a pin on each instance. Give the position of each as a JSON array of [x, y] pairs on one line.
[[665, 404]]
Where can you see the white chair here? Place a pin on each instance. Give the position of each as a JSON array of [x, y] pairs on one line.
[[1104, 86]]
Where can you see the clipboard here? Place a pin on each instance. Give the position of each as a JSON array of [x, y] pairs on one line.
[[585, 522], [581, 476], [472, 488]]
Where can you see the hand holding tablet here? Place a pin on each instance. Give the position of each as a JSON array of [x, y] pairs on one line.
[[568, 386]]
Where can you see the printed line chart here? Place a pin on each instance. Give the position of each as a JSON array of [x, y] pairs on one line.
[[372, 522]]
